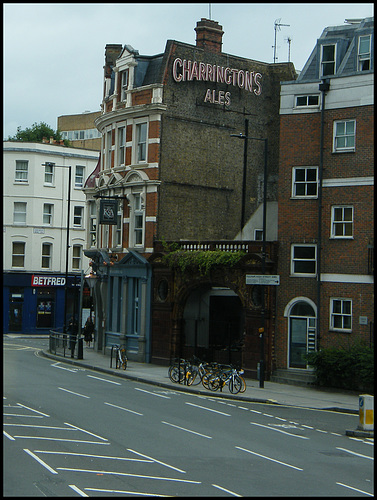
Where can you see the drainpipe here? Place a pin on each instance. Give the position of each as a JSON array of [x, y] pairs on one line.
[[323, 87]]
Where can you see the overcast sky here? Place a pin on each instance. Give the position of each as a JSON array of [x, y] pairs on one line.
[[54, 53]]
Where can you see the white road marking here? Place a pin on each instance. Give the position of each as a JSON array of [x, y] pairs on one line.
[[187, 430], [355, 489], [40, 461], [87, 432], [77, 490], [354, 453], [208, 409], [104, 380], [31, 409], [116, 473], [56, 365], [8, 436], [74, 393], [279, 430], [93, 456], [268, 458], [40, 427], [21, 415], [60, 439], [125, 409], [157, 461], [124, 492], [153, 393], [226, 491]]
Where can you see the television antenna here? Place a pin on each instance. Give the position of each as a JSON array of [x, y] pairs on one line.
[[277, 26]]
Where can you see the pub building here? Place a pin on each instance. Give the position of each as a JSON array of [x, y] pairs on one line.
[[184, 136]]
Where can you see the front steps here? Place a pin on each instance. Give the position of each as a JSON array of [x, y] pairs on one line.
[[293, 377]]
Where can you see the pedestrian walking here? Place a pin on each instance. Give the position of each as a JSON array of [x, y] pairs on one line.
[[88, 331]]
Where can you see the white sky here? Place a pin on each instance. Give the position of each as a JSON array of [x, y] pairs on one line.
[[54, 53]]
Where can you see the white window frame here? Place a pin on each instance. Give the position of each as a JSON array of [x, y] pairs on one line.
[[341, 223], [117, 230], [18, 255], [19, 212], [307, 98], [305, 182], [121, 145], [76, 259], [141, 146], [48, 214], [79, 177], [340, 310], [345, 135], [296, 260], [92, 224], [22, 174], [364, 57], [109, 148], [124, 84], [333, 61], [137, 215], [46, 257], [49, 175], [78, 216]]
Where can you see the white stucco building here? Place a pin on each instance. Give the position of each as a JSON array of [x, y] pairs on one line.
[[35, 208]]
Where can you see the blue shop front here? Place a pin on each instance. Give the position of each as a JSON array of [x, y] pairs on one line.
[[33, 303]]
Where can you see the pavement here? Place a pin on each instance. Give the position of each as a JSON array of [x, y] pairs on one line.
[[271, 393]]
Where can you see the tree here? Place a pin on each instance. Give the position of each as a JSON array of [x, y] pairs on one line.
[[36, 132]]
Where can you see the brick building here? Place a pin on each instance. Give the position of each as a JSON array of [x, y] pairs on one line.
[[176, 174], [80, 130], [326, 166]]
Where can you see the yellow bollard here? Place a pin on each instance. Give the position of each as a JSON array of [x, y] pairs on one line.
[[366, 410]]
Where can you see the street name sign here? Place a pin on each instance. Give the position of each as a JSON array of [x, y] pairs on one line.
[[262, 279]]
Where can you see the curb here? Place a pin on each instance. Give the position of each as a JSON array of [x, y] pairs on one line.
[[178, 387], [360, 433]]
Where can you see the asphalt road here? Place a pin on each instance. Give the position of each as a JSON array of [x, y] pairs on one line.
[[75, 432]]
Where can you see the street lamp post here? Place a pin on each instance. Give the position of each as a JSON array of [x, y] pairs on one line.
[[263, 311], [51, 164]]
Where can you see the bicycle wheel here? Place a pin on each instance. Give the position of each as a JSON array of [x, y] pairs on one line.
[[122, 359], [176, 374], [243, 387], [235, 384], [194, 378]]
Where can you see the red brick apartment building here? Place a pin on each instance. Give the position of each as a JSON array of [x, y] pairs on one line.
[[171, 171], [325, 199]]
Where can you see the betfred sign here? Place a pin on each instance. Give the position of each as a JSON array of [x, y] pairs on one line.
[[47, 280]]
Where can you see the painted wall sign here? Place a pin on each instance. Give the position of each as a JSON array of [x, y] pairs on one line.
[[47, 281], [188, 71]]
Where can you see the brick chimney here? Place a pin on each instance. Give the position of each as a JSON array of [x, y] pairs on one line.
[[209, 35], [112, 52]]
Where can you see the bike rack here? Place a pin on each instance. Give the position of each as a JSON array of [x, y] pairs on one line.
[[113, 346]]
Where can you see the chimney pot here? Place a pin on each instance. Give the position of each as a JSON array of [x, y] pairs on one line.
[[209, 35]]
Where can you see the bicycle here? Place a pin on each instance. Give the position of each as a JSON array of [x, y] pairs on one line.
[[121, 358], [230, 376]]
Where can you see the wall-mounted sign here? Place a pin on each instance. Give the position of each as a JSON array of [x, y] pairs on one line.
[[47, 280], [108, 210], [187, 71], [262, 279]]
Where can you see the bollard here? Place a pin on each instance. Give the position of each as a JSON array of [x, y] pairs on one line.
[[80, 349], [366, 417]]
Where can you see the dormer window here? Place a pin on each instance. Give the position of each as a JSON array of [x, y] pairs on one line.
[[124, 84], [364, 53], [327, 60]]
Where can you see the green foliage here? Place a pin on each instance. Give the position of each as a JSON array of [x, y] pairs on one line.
[[349, 368], [36, 132], [203, 260]]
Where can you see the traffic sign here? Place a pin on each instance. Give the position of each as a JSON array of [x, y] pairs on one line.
[[262, 279]]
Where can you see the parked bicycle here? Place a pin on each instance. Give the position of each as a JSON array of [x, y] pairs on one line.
[[120, 357], [225, 375]]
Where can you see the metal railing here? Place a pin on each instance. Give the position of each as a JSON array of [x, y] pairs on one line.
[[61, 344]]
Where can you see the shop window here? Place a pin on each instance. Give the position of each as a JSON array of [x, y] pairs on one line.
[[19, 212], [304, 182], [45, 308], [46, 255], [342, 222], [341, 314], [344, 135], [22, 170], [303, 260], [18, 254], [16, 295]]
